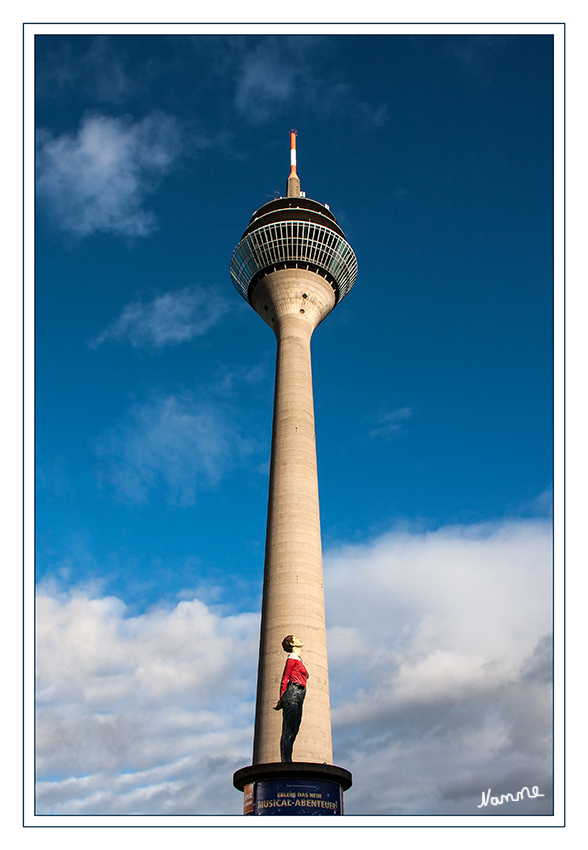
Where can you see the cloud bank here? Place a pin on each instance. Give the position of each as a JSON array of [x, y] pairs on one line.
[[98, 179], [445, 637], [440, 670], [141, 714]]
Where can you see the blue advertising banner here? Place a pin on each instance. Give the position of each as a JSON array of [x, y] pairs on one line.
[[297, 796]]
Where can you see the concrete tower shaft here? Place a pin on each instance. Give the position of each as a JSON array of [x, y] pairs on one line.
[[293, 302]]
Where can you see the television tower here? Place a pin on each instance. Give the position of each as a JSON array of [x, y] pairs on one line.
[[293, 265]]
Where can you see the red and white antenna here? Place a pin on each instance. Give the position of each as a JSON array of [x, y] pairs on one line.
[[293, 134], [293, 189]]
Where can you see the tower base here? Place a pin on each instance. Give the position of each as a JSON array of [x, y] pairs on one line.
[[292, 788]]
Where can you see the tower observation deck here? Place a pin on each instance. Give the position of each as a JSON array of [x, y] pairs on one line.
[[293, 233], [293, 265]]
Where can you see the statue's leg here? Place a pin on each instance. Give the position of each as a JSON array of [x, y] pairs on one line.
[[292, 715], [299, 700], [285, 742], [288, 721]]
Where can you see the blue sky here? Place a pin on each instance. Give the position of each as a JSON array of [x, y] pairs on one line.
[[433, 399]]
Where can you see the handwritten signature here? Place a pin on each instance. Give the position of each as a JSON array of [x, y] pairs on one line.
[[508, 798]]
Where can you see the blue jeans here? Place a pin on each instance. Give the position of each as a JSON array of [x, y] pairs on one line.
[[292, 701]]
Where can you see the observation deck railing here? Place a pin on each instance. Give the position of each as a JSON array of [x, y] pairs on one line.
[[292, 242]]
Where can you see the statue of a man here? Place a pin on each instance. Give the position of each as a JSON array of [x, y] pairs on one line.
[[292, 693]]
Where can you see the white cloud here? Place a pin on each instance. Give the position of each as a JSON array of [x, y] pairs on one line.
[[439, 670], [277, 71], [391, 423], [103, 72], [97, 180], [267, 77], [179, 443], [475, 54], [168, 319]]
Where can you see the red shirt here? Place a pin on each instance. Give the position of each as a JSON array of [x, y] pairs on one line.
[[294, 671]]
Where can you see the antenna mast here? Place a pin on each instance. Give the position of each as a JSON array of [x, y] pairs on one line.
[[293, 187]]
